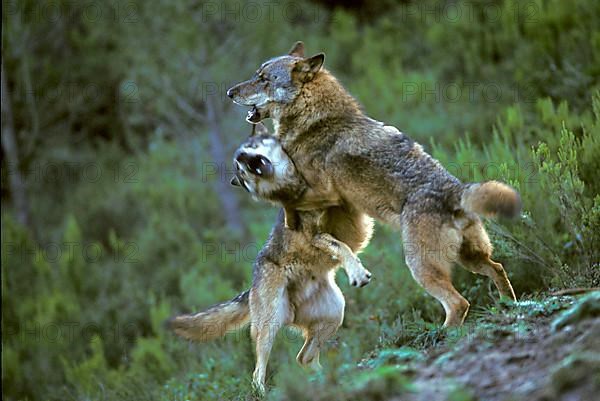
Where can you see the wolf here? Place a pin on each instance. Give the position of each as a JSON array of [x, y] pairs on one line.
[[293, 279], [348, 158]]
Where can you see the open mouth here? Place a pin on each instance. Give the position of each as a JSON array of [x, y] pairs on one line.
[[257, 165], [260, 166]]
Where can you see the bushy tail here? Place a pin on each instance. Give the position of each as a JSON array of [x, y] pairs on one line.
[[214, 322], [490, 199]]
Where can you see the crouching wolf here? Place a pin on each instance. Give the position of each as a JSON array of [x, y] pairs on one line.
[[348, 158], [294, 274]]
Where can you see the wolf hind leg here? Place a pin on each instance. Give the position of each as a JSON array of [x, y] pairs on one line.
[[308, 356], [495, 271], [475, 256], [270, 310], [434, 279], [320, 317], [430, 249], [316, 336]]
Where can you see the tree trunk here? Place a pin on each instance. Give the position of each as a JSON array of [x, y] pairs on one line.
[[9, 145], [224, 191]]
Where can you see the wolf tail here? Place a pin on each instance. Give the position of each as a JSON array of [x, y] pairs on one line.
[[490, 199], [214, 322]]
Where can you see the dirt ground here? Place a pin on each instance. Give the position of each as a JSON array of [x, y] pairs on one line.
[[538, 352]]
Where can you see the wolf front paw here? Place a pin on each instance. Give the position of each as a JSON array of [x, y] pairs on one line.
[[358, 276]]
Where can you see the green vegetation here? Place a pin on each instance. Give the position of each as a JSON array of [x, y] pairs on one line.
[[122, 126]]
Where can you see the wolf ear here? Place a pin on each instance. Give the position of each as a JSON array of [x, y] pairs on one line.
[[297, 50], [308, 67]]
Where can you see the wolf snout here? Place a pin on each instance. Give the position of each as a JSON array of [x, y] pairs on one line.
[[234, 91]]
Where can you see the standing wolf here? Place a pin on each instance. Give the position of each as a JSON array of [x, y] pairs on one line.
[[348, 158], [293, 279]]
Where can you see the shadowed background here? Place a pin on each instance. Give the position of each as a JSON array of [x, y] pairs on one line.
[[117, 139]]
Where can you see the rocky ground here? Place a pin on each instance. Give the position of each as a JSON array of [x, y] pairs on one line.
[[542, 349], [547, 350]]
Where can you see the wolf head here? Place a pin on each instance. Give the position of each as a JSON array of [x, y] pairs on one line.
[[264, 169], [278, 81]]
